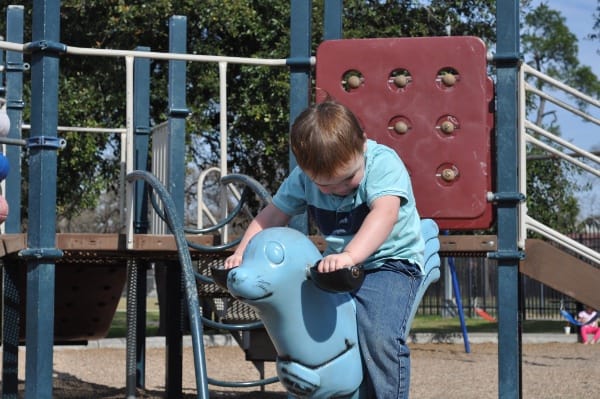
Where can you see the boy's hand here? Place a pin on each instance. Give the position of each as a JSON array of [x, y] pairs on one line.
[[335, 262], [233, 261]]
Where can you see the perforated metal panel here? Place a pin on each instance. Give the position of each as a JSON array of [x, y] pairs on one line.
[[431, 100], [87, 293]]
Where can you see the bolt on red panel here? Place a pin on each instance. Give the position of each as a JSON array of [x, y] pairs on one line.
[[431, 100]]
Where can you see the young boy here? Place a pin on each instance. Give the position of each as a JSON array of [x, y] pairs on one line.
[[359, 195]]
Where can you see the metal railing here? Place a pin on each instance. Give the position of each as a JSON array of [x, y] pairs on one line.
[[229, 196], [129, 56], [527, 129]]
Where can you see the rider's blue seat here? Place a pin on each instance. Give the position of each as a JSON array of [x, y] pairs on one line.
[[431, 272]]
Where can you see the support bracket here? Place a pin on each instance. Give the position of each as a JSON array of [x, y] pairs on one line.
[[507, 59], [47, 46], [41, 253], [179, 112], [51, 142], [507, 255], [506, 197]]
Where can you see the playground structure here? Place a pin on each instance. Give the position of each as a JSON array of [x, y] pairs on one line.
[[42, 250]]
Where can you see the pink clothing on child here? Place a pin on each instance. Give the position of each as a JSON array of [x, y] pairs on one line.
[[586, 329]]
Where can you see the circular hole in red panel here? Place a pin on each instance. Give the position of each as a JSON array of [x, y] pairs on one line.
[[447, 78], [399, 79], [399, 125], [447, 174], [352, 80], [447, 125]]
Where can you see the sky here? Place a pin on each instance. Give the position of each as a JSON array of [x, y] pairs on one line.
[[580, 17]]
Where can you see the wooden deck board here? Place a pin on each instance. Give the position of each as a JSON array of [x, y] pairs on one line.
[[148, 243], [109, 243]]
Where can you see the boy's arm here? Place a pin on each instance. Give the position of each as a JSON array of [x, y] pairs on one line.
[[375, 229], [270, 216]]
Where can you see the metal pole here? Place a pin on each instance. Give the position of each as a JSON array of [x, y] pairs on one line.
[[141, 126], [224, 192], [178, 111], [141, 131], [41, 237], [332, 20], [14, 109], [11, 315], [300, 41], [509, 318]]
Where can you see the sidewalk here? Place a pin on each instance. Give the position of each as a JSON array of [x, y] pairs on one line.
[[420, 338], [483, 338]]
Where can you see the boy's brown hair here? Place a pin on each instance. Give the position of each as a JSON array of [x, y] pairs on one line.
[[326, 137]]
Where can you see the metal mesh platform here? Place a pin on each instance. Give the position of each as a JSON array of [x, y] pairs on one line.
[[87, 293], [90, 278], [224, 307]]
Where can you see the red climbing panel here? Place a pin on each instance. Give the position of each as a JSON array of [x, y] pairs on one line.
[[431, 100]]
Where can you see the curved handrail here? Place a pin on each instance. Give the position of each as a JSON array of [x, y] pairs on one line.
[[197, 321], [232, 327], [176, 227], [251, 186], [244, 384], [202, 208]]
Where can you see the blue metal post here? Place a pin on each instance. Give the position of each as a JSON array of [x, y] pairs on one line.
[[509, 321], [459, 305], [10, 293], [141, 123], [41, 234], [332, 20], [178, 111], [300, 42]]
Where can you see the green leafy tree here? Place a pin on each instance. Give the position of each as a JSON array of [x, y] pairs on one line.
[[92, 88], [595, 35], [373, 18]]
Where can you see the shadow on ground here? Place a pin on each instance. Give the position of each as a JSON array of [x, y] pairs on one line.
[[67, 386]]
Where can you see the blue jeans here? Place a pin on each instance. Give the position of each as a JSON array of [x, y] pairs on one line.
[[383, 304]]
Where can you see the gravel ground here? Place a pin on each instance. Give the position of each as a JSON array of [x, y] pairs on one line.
[[444, 371]]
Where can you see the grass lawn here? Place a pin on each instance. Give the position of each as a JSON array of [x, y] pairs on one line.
[[438, 324], [421, 324], [118, 328]]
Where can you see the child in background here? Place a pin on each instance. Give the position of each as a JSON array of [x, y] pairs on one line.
[[589, 318], [359, 194]]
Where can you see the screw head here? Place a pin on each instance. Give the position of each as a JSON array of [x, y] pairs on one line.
[[447, 127], [449, 79], [400, 127], [354, 82]]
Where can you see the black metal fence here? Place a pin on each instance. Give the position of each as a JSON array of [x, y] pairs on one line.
[[478, 285]]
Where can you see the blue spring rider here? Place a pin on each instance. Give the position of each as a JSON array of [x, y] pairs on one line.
[[311, 322]]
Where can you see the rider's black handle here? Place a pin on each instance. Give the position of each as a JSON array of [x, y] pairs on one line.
[[342, 280]]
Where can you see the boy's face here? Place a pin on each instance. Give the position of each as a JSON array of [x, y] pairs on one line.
[[345, 180]]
